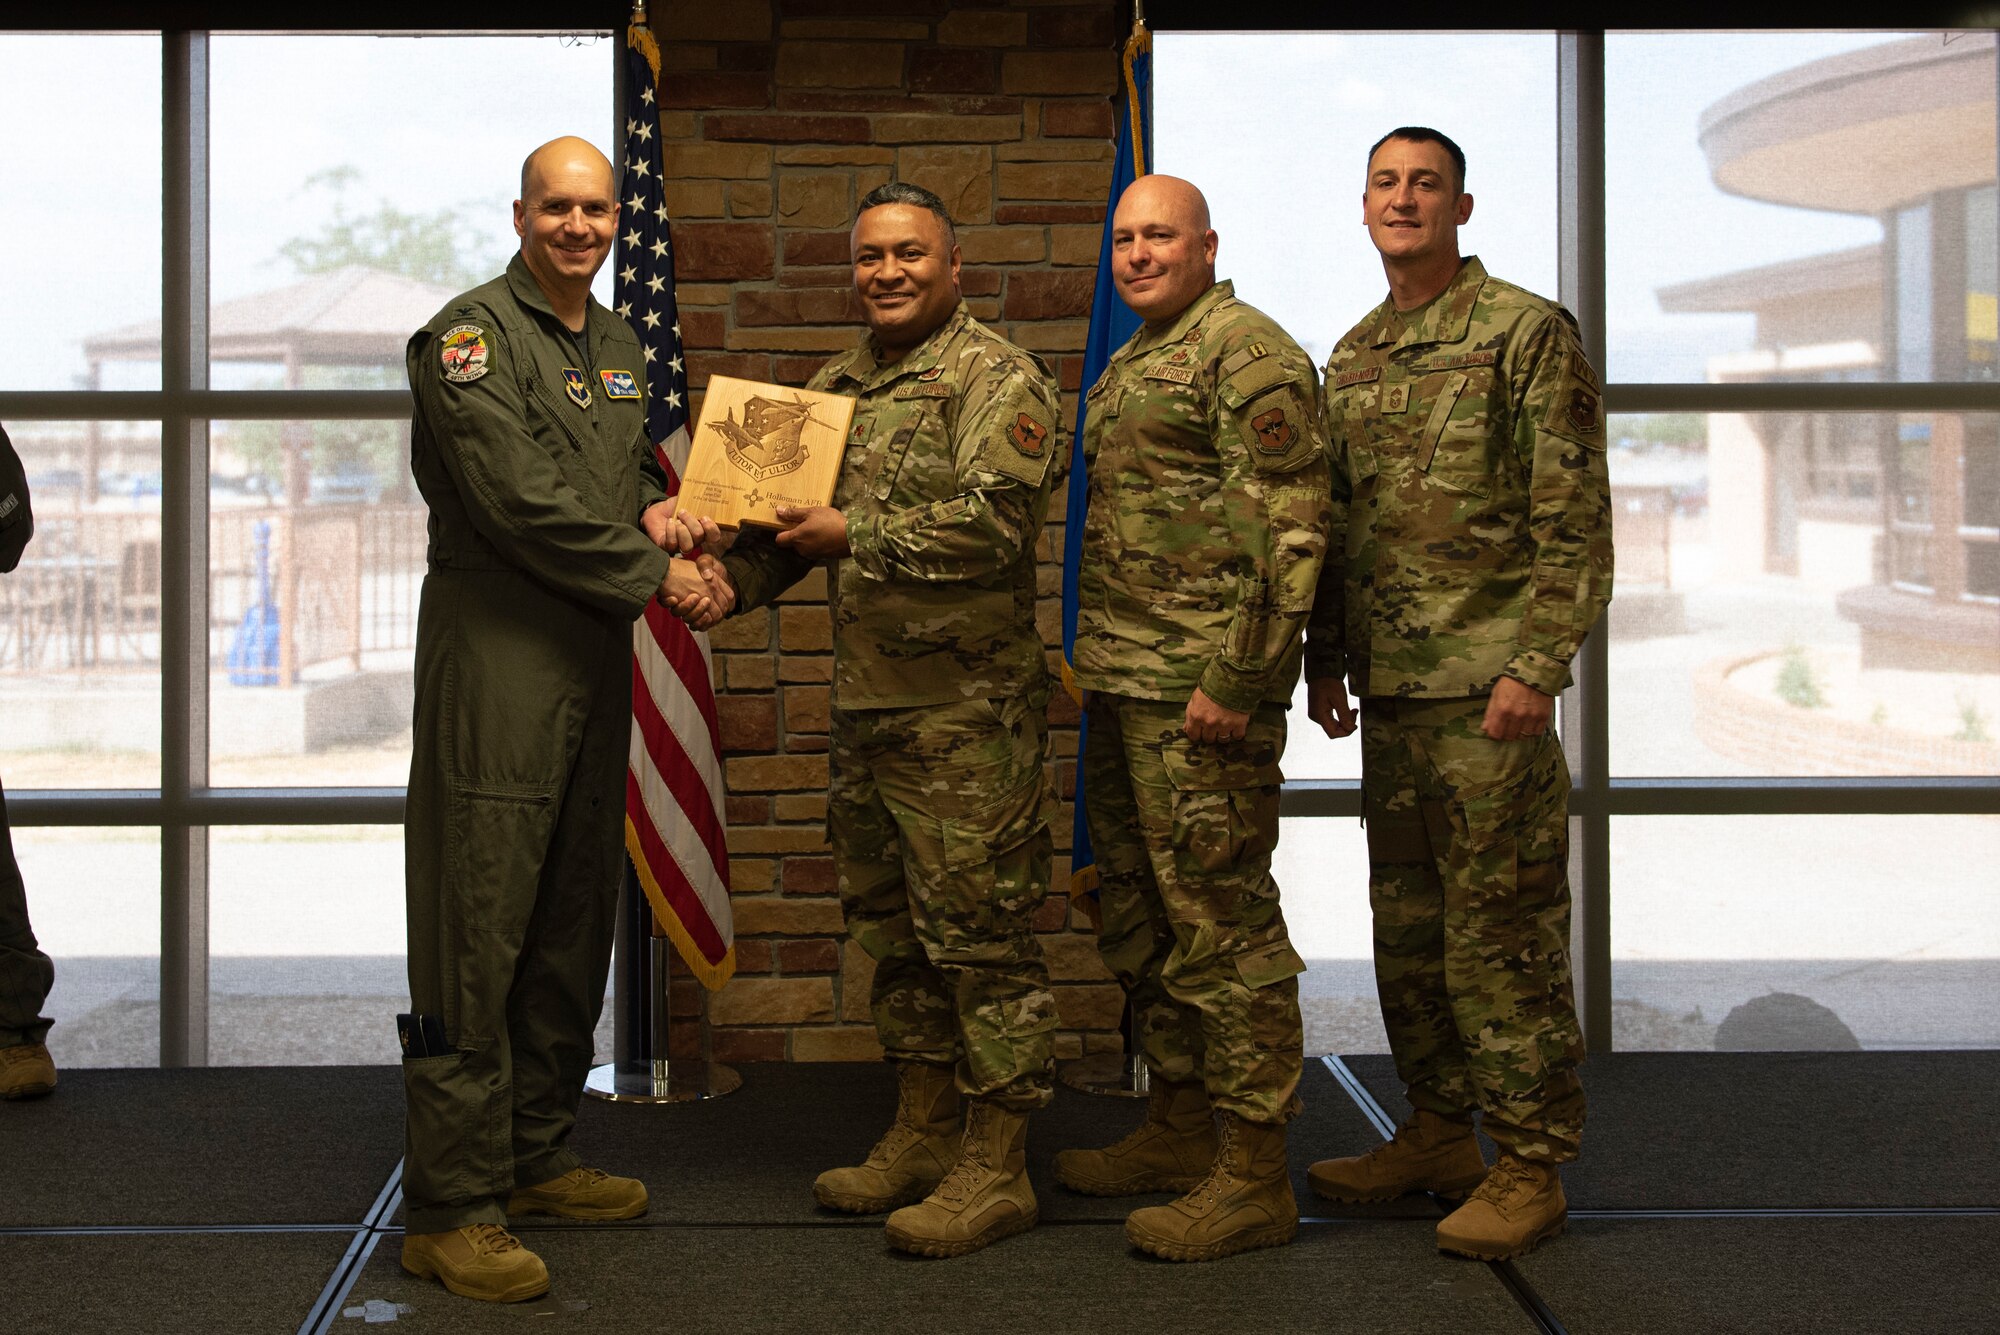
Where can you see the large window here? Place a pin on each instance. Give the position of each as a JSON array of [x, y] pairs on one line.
[[1782, 248], [205, 658]]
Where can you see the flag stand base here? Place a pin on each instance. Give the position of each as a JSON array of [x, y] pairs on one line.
[[661, 1082], [643, 1073], [1121, 1075], [1118, 1074]]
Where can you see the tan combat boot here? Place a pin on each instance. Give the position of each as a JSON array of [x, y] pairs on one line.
[[1170, 1151], [482, 1261], [1245, 1201], [26, 1071], [582, 1193], [1518, 1205], [1428, 1153], [914, 1154], [985, 1198]]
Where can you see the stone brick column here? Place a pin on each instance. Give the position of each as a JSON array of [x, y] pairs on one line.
[[778, 116]]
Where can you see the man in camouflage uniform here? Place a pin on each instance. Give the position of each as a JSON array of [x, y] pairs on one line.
[[1202, 543], [1471, 492], [940, 689]]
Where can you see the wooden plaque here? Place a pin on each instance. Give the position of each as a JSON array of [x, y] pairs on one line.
[[757, 447]]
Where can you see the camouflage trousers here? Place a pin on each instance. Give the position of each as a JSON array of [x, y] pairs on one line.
[[1190, 919], [1468, 850], [941, 839]]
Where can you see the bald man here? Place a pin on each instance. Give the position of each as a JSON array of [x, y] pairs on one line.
[[1202, 544], [529, 444]]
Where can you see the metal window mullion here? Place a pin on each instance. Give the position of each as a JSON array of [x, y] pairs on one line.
[[183, 551], [1586, 705]]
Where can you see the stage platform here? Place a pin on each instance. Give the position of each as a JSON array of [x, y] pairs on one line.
[[1766, 1192]]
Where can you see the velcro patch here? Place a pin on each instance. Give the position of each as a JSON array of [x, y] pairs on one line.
[[619, 384], [1456, 360], [1179, 375], [576, 387], [916, 389], [464, 353], [1274, 433], [1582, 409], [1359, 375], [1028, 435]]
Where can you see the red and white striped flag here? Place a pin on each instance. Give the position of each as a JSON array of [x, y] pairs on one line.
[[673, 786]]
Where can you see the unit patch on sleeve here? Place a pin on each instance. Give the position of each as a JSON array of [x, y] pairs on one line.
[[464, 353], [576, 387], [619, 385], [1273, 432], [1028, 435]]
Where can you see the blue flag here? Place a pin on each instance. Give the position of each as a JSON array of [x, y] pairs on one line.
[[1111, 324]]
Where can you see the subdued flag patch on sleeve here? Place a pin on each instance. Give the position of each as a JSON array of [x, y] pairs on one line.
[[619, 384], [464, 353]]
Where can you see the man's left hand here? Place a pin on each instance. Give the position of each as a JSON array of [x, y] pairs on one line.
[[1208, 721], [814, 531], [1515, 710]]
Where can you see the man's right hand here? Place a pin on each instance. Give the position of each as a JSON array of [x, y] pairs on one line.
[[685, 593], [673, 531], [1327, 705]]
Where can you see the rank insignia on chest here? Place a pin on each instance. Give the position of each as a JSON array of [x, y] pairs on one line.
[[576, 387], [619, 384], [1027, 434], [1395, 398]]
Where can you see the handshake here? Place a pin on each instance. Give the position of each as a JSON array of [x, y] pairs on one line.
[[697, 588]]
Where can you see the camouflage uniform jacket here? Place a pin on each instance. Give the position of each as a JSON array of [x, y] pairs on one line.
[[1207, 514], [945, 484], [1471, 499]]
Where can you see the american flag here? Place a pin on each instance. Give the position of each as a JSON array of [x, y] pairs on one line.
[[673, 784]]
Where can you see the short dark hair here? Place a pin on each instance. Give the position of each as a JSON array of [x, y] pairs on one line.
[[1424, 134], [902, 192]]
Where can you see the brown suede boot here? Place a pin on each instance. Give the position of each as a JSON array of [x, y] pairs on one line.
[[581, 1193], [1170, 1151], [1519, 1205], [26, 1071], [982, 1200], [913, 1155], [1245, 1201], [482, 1261], [1428, 1153]]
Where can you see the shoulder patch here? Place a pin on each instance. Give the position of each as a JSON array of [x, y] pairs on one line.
[[464, 353], [1029, 436], [1274, 433]]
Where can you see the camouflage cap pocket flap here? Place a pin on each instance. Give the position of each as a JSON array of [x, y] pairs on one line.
[[981, 835]]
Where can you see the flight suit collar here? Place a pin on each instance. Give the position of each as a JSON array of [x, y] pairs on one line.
[[1445, 319], [529, 293], [1149, 337], [865, 367]]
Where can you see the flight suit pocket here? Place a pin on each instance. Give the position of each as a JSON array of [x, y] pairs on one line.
[[500, 834]]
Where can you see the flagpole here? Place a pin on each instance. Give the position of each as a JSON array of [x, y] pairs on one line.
[[643, 1070], [1117, 1074]]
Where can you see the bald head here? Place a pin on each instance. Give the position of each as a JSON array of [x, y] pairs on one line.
[[566, 218], [1162, 247], [568, 152]]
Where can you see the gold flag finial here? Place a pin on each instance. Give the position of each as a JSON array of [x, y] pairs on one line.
[[639, 12], [1138, 13]]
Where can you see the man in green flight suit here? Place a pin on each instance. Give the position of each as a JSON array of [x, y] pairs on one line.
[[1202, 541], [937, 804], [1471, 492], [528, 442]]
